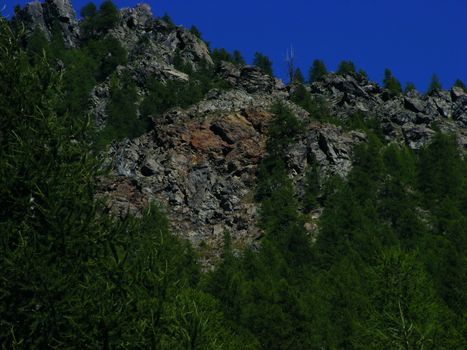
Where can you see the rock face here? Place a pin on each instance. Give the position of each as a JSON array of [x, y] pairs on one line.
[[411, 119], [201, 163], [153, 44], [45, 16]]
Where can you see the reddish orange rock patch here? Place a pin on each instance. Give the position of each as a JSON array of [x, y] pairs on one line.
[[206, 140]]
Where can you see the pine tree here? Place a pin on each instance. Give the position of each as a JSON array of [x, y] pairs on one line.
[[298, 77], [108, 16], [435, 84], [346, 68], [48, 225], [263, 63], [317, 71], [460, 84], [237, 58], [405, 312], [362, 73], [409, 87], [391, 83], [88, 11], [168, 20], [195, 31], [98, 23]]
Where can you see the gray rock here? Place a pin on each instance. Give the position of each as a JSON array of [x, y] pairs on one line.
[[457, 93], [43, 16], [417, 136], [414, 104]]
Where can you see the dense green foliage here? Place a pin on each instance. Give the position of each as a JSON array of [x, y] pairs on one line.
[[387, 270], [161, 97], [72, 277], [97, 23], [122, 120]]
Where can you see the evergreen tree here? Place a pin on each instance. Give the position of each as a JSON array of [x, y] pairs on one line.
[[48, 217], [71, 276], [108, 53], [312, 186], [409, 87], [404, 305], [37, 46], [219, 55], [346, 67], [263, 63], [391, 83], [195, 31], [237, 58], [435, 84], [298, 77], [362, 73], [459, 83], [168, 20], [108, 16], [122, 113], [317, 71], [79, 79], [88, 11], [316, 106], [98, 23]]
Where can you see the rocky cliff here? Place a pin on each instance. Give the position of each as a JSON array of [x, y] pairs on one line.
[[201, 162], [50, 16]]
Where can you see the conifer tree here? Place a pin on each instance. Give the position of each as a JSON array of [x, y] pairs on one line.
[[263, 63], [391, 83], [195, 31], [346, 67], [298, 77], [317, 71], [435, 84], [460, 84], [409, 87], [167, 19], [88, 11], [237, 58], [362, 73]]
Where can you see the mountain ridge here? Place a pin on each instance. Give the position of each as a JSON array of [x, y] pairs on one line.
[[201, 162]]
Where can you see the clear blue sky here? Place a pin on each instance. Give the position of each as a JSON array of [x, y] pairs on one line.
[[414, 38]]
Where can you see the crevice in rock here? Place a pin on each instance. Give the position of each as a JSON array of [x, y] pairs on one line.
[[218, 131]]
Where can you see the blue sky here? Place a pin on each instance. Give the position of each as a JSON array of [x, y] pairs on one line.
[[414, 38]]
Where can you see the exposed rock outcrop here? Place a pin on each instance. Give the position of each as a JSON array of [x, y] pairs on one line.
[[203, 167], [51, 17], [411, 119]]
